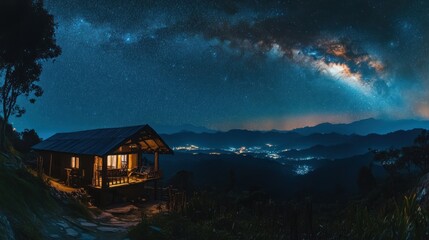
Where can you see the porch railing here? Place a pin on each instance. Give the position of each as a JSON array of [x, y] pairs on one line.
[[120, 176], [114, 177]]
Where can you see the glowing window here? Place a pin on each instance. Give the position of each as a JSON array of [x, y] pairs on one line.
[[123, 161], [112, 161], [117, 161], [74, 162]]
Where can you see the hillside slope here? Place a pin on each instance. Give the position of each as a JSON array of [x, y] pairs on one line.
[[25, 203]]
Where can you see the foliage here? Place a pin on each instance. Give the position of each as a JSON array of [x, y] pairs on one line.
[[219, 215], [395, 160], [20, 141], [26, 140], [176, 226], [406, 220], [253, 215], [26, 38]]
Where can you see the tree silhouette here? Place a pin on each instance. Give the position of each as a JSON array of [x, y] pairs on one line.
[[28, 138], [27, 37], [394, 160], [390, 160], [420, 157]]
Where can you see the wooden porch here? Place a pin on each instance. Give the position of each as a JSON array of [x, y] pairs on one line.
[[115, 177], [119, 177]]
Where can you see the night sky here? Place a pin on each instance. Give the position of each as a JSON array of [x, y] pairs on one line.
[[233, 64]]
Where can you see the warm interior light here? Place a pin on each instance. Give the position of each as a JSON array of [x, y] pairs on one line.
[[74, 162]]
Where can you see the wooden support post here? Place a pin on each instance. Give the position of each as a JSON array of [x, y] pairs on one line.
[[94, 171], [104, 178], [50, 166], [156, 167], [82, 177], [139, 159]]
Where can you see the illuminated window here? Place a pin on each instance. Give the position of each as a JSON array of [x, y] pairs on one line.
[[124, 161], [117, 161], [112, 161], [74, 162]]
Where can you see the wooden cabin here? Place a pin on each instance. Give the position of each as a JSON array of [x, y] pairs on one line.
[[108, 162]]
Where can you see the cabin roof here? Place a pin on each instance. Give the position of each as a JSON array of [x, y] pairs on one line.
[[104, 141]]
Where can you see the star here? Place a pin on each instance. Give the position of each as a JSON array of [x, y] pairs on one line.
[[281, 60]]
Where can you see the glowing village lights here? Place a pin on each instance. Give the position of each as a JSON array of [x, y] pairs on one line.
[[241, 150], [273, 156], [303, 169], [301, 166], [186, 148]]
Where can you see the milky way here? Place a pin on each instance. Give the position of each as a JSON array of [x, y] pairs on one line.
[[233, 64]]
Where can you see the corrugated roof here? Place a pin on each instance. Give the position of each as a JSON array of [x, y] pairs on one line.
[[101, 142]]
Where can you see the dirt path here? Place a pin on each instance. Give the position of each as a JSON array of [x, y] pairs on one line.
[[111, 223]]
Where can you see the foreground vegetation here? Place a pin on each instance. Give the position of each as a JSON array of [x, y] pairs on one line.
[[211, 215], [404, 220]]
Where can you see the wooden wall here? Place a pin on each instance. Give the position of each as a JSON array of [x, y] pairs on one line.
[[61, 161]]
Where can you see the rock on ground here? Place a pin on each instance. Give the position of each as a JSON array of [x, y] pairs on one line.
[[6, 231]]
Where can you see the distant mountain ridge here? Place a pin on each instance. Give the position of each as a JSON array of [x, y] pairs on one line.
[[364, 127], [170, 129], [360, 127], [292, 140]]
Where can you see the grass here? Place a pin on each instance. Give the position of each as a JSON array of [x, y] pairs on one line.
[[213, 215], [27, 203], [401, 220], [25, 200], [176, 226]]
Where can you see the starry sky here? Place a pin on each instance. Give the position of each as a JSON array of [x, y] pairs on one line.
[[233, 64]]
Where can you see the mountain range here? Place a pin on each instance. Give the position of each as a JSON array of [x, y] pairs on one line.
[[288, 140], [169, 129], [360, 127], [333, 155], [365, 126], [330, 141]]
